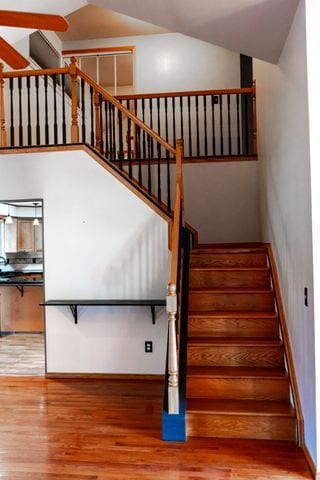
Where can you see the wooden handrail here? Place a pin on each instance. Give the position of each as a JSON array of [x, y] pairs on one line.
[[35, 73], [106, 96], [225, 91], [287, 345], [175, 237]]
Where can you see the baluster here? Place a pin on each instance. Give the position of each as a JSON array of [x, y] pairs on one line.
[[197, 124], [229, 125], [158, 116], [29, 131], [11, 113], [38, 137], [20, 130], [63, 99], [167, 155], [143, 132], [151, 124], [3, 135], [173, 380], [114, 148], [129, 143], [159, 170], [213, 125], [205, 126], [46, 125], [120, 135], [173, 102], [91, 117], [254, 133], [55, 125], [96, 101], [83, 111], [110, 131], [181, 118], [138, 152], [221, 126], [238, 124], [101, 124], [74, 102], [106, 128], [246, 124], [149, 165], [189, 125]]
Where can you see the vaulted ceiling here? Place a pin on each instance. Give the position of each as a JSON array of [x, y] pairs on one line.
[[255, 27]]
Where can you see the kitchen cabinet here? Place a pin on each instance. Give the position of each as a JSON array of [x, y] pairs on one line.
[[21, 314], [29, 237]]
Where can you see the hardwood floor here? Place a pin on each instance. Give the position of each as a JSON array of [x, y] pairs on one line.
[[22, 354], [111, 429]]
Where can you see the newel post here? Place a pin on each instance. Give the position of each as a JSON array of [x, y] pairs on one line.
[[3, 133], [74, 101], [173, 381], [97, 109]]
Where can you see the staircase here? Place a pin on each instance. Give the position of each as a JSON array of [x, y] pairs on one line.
[[237, 384]]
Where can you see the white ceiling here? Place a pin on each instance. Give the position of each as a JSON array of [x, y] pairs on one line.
[[255, 27]]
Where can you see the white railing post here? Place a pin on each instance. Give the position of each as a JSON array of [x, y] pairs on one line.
[[173, 383]]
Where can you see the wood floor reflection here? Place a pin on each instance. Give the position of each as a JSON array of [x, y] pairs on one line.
[[74, 429], [22, 354]]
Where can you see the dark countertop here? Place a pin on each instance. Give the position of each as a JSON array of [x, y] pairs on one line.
[[20, 278]]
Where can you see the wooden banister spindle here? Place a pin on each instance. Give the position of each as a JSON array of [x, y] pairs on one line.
[[97, 110], [173, 380], [74, 101], [179, 163], [254, 140], [3, 133]]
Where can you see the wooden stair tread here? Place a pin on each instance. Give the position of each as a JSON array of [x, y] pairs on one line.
[[231, 250], [235, 341], [236, 372], [228, 269], [224, 314], [239, 407], [245, 290]]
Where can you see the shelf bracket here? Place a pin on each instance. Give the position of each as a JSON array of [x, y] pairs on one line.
[[74, 311], [21, 289]]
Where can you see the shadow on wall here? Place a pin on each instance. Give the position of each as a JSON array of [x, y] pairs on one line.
[[143, 269]]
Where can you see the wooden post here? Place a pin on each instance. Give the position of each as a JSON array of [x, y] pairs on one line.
[[254, 133], [173, 381], [74, 101], [97, 109], [179, 172], [3, 133]]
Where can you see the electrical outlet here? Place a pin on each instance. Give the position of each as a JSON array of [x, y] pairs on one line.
[[148, 347]]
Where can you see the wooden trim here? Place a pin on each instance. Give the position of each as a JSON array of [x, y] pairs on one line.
[[3, 133], [189, 160], [74, 101], [38, 21], [35, 73], [124, 110], [76, 52], [287, 344], [107, 376], [195, 234], [194, 93], [310, 462]]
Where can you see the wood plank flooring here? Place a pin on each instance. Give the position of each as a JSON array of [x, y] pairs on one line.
[[22, 354], [74, 429]]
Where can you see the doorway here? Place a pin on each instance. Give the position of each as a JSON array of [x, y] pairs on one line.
[[22, 350]]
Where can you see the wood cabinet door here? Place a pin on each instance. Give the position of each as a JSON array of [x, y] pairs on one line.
[[25, 235]]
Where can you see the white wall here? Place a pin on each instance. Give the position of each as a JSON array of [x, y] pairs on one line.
[[100, 241], [285, 198], [174, 62], [313, 41]]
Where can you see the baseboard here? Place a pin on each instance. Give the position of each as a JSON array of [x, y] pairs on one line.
[[310, 462], [107, 376]]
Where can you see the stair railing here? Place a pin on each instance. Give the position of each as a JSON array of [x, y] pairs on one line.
[[65, 106]]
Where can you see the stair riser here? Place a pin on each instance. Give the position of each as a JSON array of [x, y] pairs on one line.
[[231, 302], [238, 388], [221, 279], [233, 327], [235, 356], [241, 426], [228, 260]]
